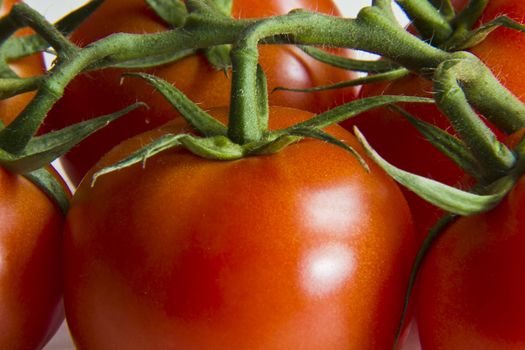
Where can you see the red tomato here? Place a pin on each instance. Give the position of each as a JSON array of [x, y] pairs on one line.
[[102, 92], [471, 285], [25, 67], [30, 264], [400, 143], [299, 250], [30, 245]]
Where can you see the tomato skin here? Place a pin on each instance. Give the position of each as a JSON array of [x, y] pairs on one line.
[[471, 285], [100, 93], [30, 243], [298, 250], [25, 67], [31, 262]]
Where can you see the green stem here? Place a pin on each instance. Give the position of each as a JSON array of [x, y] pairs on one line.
[[470, 15], [8, 26], [445, 7], [465, 20], [453, 84], [429, 22], [25, 14]]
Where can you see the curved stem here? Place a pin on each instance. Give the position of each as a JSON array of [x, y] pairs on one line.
[[453, 84], [430, 23], [25, 14]]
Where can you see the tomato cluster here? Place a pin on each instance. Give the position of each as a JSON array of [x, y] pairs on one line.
[[307, 248], [284, 65]]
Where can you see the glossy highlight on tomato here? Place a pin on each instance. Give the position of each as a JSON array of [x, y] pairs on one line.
[[104, 92], [303, 249]]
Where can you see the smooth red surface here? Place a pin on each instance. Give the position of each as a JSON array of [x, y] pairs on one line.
[[104, 92], [472, 286], [30, 264], [299, 250]]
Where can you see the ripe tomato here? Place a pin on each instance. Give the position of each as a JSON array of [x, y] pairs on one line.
[[30, 245], [30, 264], [299, 250], [102, 92], [25, 67], [400, 143], [471, 285]]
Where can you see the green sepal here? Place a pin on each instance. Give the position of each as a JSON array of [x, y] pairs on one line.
[[10, 87], [16, 48], [219, 57], [270, 145], [191, 112], [446, 143], [173, 12], [369, 79], [443, 196], [378, 66], [51, 186], [318, 134], [214, 148], [149, 61], [351, 109], [42, 150], [140, 156], [475, 37]]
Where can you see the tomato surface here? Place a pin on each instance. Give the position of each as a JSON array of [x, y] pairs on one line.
[[30, 243], [25, 67], [471, 285], [303, 249], [30, 264], [100, 93], [399, 142]]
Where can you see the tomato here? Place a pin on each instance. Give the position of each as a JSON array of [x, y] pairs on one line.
[[471, 285], [400, 143], [303, 249], [25, 67], [100, 93], [30, 245], [30, 264]]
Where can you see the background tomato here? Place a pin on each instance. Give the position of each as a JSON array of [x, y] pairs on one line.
[[30, 264], [400, 143], [471, 284], [299, 250], [102, 92]]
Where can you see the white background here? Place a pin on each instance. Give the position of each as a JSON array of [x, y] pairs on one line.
[[53, 10]]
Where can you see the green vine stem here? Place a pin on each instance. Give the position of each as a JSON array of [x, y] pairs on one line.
[[429, 22], [459, 81], [371, 31], [24, 14]]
